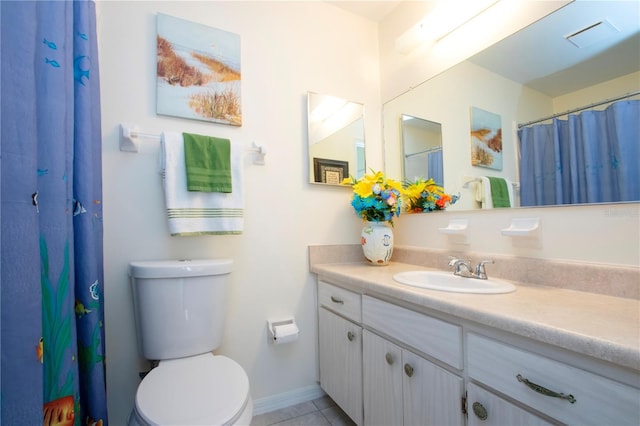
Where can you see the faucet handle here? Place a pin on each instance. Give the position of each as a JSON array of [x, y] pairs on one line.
[[480, 270], [460, 267], [454, 261]]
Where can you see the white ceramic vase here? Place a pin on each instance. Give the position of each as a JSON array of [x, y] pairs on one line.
[[377, 243]]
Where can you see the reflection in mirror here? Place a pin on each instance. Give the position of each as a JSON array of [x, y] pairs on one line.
[[336, 139], [421, 149], [533, 74]]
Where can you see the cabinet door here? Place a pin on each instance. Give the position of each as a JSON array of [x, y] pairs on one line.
[[340, 354], [486, 409], [382, 365], [432, 395]]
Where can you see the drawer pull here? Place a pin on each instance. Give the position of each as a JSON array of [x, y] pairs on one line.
[[350, 336], [408, 370], [336, 300], [480, 411], [544, 391], [389, 358]]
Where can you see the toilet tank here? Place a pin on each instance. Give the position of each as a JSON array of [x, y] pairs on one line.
[[179, 306]]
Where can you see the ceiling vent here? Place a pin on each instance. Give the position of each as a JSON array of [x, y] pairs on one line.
[[592, 34]]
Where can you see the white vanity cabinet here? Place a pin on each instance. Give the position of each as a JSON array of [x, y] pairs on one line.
[[340, 348], [563, 392], [401, 387], [385, 364], [487, 409]]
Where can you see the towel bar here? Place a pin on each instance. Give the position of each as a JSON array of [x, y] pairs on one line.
[[466, 180], [130, 135]]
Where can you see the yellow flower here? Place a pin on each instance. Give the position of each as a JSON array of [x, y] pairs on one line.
[[395, 185], [376, 198], [414, 191], [364, 187], [426, 195]]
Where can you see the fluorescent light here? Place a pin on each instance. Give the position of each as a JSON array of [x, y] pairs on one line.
[[446, 17]]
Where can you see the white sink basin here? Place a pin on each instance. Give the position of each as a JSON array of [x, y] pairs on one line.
[[446, 281]]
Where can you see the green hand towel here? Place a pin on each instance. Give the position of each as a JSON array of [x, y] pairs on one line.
[[208, 163], [499, 192]]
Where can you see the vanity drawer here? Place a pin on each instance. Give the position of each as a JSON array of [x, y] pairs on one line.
[[431, 336], [339, 300], [596, 399]]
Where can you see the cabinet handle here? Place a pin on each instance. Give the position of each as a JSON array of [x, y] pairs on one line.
[[350, 336], [480, 411], [408, 370], [544, 391], [336, 300], [389, 358]]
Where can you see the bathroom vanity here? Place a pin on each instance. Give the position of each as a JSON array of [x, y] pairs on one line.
[[391, 354]]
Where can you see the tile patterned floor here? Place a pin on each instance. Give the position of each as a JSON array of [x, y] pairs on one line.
[[319, 412]]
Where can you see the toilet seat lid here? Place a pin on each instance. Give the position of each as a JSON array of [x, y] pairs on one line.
[[200, 390]]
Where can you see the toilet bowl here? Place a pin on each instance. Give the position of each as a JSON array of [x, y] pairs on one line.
[[202, 390], [179, 311]]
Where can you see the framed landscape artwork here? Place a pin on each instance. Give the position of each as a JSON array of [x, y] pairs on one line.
[[486, 139], [198, 72]]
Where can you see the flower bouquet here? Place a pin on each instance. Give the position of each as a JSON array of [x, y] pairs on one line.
[[425, 195], [375, 197]]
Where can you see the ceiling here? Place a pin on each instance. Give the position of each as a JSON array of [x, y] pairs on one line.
[[540, 56], [373, 10], [546, 61]]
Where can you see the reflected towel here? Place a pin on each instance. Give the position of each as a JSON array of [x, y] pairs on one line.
[[499, 192], [208, 163], [199, 213]]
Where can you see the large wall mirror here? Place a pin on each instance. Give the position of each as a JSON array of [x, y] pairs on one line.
[[533, 74], [336, 139]]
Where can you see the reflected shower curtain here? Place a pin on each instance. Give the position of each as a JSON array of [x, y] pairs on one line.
[[52, 343], [434, 166], [592, 157]]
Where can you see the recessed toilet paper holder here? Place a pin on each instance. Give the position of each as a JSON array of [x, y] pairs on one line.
[[282, 331]]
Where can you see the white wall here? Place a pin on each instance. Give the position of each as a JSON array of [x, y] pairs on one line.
[[603, 234], [625, 84], [288, 48]]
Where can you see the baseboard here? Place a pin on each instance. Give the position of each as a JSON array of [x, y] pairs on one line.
[[286, 399]]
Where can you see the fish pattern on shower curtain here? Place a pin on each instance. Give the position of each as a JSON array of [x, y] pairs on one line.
[[53, 352]]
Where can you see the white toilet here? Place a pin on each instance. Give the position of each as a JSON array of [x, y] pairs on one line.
[[180, 311]]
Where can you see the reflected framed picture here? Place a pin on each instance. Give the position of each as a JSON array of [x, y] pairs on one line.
[[486, 139], [329, 171]]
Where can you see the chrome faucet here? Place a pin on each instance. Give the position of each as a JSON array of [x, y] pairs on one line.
[[463, 268], [460, 267]]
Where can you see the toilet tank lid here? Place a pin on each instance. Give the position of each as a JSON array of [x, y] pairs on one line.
[[179, 268]]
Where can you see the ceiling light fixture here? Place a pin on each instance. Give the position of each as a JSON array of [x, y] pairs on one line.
[[445, 18]]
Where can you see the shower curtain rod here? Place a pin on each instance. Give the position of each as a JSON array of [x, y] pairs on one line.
[[423, 152], [628, 95]]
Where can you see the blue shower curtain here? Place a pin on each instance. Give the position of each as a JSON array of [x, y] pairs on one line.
[[434, 166], [52, 343], [591, 157]]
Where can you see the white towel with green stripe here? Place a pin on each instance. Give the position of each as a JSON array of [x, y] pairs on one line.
[[199, 213]]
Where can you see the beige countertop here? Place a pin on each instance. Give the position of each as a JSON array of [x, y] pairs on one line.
[[600, 326]]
